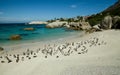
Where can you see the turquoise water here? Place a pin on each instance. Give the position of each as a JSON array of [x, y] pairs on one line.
[[40, 34]]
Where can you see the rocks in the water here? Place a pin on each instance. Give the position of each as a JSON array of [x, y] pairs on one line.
[[29, 29], [15, 37], [37, 22], [1, 49], [106, 23]]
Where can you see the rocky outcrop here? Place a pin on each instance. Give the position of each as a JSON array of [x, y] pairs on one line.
[[1, 49], [92, 30], [15, 37], [84, 25], [28, 29], [73, 25], [106, 23], [110, 23], [116, 22], [80, 25], [56, 24], [37, 22]]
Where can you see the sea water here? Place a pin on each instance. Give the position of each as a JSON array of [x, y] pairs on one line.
[[40, 34]]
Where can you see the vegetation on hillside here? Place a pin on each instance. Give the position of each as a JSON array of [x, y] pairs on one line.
[[113, 10], [94, 19]]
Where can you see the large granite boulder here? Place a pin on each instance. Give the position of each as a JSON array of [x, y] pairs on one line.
[[15, 37], [85, 25], [97, 26], [106, 23], [1, 49], [56, 24], [116, 22], [80, 25], [29, 29], [74, 26]]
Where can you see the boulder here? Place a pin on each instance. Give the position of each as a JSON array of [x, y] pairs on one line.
[[116, 22], [85, 25], [15, 37], [74, 26], [82, 25], [106, 23], [1, 49], [96, 26], [56, 24], [67, 26], [28, 29], [93, 30]]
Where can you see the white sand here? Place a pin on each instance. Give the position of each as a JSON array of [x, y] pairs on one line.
[[99, 60]]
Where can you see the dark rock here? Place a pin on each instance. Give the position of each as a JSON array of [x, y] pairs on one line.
[[15, 37], [29, 29], [116, 22]]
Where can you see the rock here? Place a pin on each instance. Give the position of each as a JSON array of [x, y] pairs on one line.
[[15, 37], [67, 26], [37, 22], [93, 30], [56, 24], [116, 22], [96, 26], [1, 49], [106, 23], [74, 26], [28, 29], [90, 30], [85, 25], [82, 25]]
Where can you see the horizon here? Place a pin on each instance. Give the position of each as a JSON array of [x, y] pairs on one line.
[[22, 11]]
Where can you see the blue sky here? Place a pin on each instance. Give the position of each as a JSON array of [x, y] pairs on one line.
[[29, 10]]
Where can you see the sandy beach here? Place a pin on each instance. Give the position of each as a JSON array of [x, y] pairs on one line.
[[92, 54]]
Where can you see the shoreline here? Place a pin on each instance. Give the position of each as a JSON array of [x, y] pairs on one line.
[[21, 42], [100, 57], [52, 41]]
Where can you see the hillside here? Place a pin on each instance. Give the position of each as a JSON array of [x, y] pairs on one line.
[[112, 10]]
